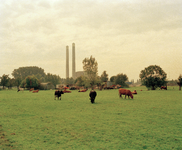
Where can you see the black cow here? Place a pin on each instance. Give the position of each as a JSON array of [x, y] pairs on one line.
[[92, 95], [58, 94]]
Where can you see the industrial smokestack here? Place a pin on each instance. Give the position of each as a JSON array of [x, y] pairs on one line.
[[67, 62], [73, 60]]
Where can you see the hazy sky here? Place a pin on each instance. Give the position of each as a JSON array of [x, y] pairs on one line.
[[124, 36]]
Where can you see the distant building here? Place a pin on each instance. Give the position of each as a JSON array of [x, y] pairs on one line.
[[109, 83], [74, 73], [79, 74], [46, 86]]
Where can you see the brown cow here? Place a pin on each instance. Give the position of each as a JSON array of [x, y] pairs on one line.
[[134, 92], [84, 90], [66, 91], [35, 91], [125, 92], [31, 89], [164, 87]]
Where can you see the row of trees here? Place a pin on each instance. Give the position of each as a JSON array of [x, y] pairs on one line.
[[152, 77], [29, 77]]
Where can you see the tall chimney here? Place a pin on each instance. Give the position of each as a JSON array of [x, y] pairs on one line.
[[73, 60], [67, 62]]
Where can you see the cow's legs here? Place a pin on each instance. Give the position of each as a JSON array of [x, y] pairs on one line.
[[121, 95], [92, 100]]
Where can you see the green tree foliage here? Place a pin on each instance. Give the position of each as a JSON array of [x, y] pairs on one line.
[[23, 83], [153, 77], [121, 79], [112, 78], [40, 77], [104, 77], [18, 81], [69, 81], [23, 72], [179, 81], [32, 82], [54, 79], [90, 66], [11, 83], [4, 80], [80, 81]]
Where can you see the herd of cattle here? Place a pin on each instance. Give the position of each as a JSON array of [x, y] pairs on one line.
[[32, 89], [92, 93]]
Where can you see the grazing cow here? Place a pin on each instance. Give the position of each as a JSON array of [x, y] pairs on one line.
[[65, 91], [125, 92], [92, 95], [35, 91], [84, 90], [20, 89], [58, 94], [164, 87], [31, 89], [134, 92]]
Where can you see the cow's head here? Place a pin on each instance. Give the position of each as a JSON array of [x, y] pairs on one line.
[[61, 92]]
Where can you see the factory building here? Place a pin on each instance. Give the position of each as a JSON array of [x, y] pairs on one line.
[[74, 73]]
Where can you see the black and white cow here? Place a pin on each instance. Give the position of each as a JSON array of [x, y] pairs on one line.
[[92, 95], [58, 94]]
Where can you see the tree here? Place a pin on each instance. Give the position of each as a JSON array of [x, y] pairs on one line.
[[153, 77], [4, 80], [23, 83], [112, 78], [40, 77], [90, 66], [179, 81], [32, 82], [121, 79], [54, 79], [23, 72], [80, 81], [69, 81], [18, 81], [11, 83], [104, 77]]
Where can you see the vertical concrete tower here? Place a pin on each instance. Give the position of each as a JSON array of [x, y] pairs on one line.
[[67, 62], [73, 60]]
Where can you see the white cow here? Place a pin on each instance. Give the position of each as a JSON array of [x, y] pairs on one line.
[[20, 89]]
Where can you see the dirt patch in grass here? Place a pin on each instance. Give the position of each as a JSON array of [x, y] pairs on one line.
[[5, 144]]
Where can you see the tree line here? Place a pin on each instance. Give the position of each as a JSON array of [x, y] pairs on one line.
[[30, 77]]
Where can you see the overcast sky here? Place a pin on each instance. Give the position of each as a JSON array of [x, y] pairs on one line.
[[124, 36]]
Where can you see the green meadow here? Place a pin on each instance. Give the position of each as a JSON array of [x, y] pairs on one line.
[[35, 121]]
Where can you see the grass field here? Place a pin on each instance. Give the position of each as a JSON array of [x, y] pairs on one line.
[[152, 120]]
